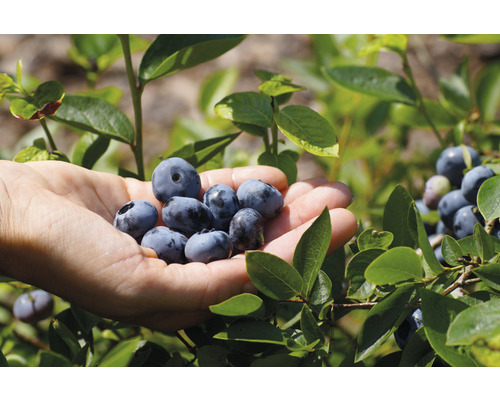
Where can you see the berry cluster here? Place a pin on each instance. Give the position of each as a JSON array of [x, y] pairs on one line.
[[216, 226], [453, 193]]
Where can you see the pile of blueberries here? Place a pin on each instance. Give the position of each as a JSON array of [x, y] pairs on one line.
[[215, 226]]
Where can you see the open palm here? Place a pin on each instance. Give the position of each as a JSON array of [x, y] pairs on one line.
[[56, 233]]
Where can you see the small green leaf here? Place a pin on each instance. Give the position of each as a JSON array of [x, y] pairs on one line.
[[382, 320], [311, 250], [490, 275], [95, 115], [479, 321], [7, 85], [399, 264], [276, 88], [359, 287], [273, 276], [244, 304], [45, 102], [169, 54], [455, 89], [309, 326], [246, 107], [50, 359], [121, 354], [438, 312], [322, 289], [308, 129], [216, 87], [416, 350], [253, 331], [451, 250], [38, 152], [373, 81], [372, 239], [392, 42], [408, 115], [285, 161], [488, 198], [484, 243], [395, 217], [89, 148], [212, 356], [264, 75]]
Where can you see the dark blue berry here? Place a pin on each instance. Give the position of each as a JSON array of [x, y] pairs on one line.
[[175, 177], [473, 180], [187, 215], [136, 218], [408, 327], [223, 203], [260, 196], [464, 220], [451, 163], [246, 230], [449, 205], [207, 246], [168, 244]]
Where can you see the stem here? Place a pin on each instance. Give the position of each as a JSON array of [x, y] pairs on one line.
[[49, 136], [136, 93], [420, 100]]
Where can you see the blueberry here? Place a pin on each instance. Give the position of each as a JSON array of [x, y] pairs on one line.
[[34, 306], [464, 220], [408, 327], [207, 246], [260, 196], [175, 177], [246, 230], [473, 179], [168, 244], [136, 218], [223, 203], [442, 228], [451, 163], [435, 188], [449, 204], [187, 215]]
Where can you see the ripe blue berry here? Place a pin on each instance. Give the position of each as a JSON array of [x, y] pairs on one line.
[[260, 196], [449, 204], [223, 203], [207, 246], [451, 163], [246, 230], [136, 218], [473, 180], [464, 220], [168, 244], [175, 177], [408, 327], [34, 306], [187, 215]]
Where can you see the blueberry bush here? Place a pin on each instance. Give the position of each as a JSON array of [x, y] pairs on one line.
[[419, 284]]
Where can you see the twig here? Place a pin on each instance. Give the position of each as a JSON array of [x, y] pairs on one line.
[[460, 281]]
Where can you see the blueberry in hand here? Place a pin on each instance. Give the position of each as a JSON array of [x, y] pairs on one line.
[[449, 204], [464, 220], [260, 196], [246, 230], [187, 215], [168, 244], [451, 163], [408, 327], [473, 180], [34, 306], [223, 203], [207, 246], [136, 218], [435, 188], [175, 177]]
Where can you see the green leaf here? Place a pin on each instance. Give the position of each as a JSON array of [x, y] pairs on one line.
[[399, 264], [373, 81], [7, 85], [372, 239], [395, 217], [392, 42], [479, 321], [285, 161], [438, 312], [359, 287], [95, 115], [407, 115], [246, 107], [202, 151], [216, 87], [212, 356], [455, 89], [89, 148], [276, 88], [273, 276], [3, 360], [309, 326], [38, 152], [264, 76], [472, 38], [244, 304], [416, 350], [169, 54], [121, 354], [322, 289], [487, 351], [311, 250], [45, 102], [451, 250], [488, 91], [382, 320], [51, 359], [488, 198], [308, 129], [490, 275], [484, 243], [253, 331]]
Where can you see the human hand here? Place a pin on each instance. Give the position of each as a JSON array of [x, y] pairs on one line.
[[56, 233]]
